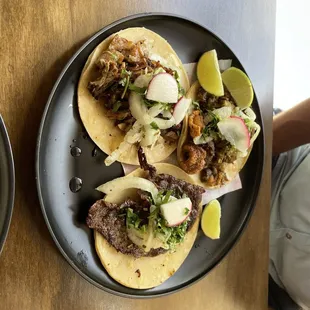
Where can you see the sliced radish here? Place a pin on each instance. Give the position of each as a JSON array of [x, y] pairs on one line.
[[177, 211], [180, 109], [163, 88], [235, 131]]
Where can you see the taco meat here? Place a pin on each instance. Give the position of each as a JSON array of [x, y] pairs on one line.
[[208, 102], [107, 218], [209, 159]]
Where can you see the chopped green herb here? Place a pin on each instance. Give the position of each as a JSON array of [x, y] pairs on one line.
[[125, 73], [126, 86], [211, 128], [136, 89], [154, 126], [168, 194], [176, 74], [132, 219], [116, 106], [180, 88], [186, 211]]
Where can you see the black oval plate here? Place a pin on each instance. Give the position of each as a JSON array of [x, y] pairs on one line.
[[61, 130], [7, 183]]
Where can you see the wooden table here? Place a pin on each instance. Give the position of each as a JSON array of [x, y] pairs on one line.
[[37, 39]]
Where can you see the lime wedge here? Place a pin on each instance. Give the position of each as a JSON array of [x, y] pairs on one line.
[[239, 86], [209, 75], [210, 220]]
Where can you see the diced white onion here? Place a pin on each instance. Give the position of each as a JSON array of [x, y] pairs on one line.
[[134, 135], [150, 136]]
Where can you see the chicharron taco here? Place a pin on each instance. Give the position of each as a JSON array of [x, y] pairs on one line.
[[146, 224], [216, 139], [128, 93]]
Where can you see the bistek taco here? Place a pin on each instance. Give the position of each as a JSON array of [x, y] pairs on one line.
[[146, 224]]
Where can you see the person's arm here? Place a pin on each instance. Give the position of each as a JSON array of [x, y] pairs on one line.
[[291, 128]]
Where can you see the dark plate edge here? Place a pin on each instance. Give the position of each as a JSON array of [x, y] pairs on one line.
[[11, 170], [255, 193]]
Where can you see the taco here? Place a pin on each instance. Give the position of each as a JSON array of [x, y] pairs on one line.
[[146, 224], [128, 94], [216, 139]]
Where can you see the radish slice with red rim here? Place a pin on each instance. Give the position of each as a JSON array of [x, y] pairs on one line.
[[236, 132], [163, 88], [177, 211], [181, 109]]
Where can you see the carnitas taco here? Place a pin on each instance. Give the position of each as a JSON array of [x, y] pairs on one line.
[[130, 95], [217, 135], [146, 224]]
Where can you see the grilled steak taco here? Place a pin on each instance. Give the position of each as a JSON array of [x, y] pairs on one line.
[[130, 94], [216, 138], [146, 224]]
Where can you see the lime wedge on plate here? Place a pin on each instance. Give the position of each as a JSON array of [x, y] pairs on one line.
[[210, 220], [239, 86], [209, 75]]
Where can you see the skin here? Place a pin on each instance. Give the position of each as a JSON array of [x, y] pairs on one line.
[[291, 128]]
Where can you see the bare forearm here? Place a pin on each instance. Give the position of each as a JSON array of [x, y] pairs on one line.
[[291, 128]]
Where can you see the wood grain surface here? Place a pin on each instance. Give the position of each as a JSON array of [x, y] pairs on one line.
[[37, 39]]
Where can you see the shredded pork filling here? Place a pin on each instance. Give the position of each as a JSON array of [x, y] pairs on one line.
[[119, 65]]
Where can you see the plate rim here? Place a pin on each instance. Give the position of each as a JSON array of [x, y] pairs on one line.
[[242, 227], [11, 178]]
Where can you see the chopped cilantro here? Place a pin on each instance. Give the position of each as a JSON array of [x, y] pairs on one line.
[[211, 127], [180, 88], [172, 236], [186, 211], [167, 196], [116, 106], [125, 73], [133, 220], [126, 86], [154, 126]]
